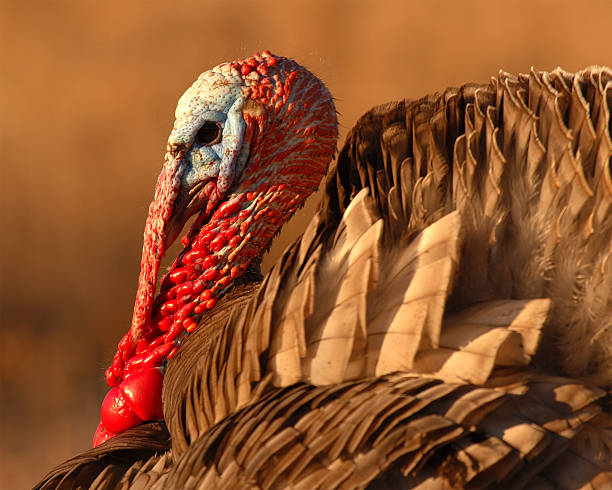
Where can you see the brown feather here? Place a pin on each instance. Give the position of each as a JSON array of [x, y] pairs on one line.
[[105, 465]]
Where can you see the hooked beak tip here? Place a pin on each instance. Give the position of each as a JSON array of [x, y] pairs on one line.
[[187, 204]]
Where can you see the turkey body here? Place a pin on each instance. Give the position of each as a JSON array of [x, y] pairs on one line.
[[443, 322]]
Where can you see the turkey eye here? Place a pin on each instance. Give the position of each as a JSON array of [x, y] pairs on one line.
[[209, 134]]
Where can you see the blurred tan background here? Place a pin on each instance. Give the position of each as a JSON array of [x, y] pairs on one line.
[[87, 94]]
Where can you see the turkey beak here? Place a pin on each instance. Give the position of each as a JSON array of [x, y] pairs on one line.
[[189, 201], [174, 227]]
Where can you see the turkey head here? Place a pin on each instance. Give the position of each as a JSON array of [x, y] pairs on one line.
[[251, 141]]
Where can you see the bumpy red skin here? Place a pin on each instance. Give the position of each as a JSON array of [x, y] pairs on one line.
[[291, 143]]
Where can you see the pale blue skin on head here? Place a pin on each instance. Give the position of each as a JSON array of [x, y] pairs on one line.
[[216, 96]]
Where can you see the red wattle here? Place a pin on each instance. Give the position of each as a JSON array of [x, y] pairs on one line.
[[116, 414], [142, 390], [136, 399]]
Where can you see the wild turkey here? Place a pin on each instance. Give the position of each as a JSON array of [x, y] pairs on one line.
[[443, 322]]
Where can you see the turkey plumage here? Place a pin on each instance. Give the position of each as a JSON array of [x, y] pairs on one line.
[[443, 321]]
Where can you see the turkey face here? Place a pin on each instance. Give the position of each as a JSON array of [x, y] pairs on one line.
[[206, 149], [251, 141]]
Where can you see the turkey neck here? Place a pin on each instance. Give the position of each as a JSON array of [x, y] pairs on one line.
[[216, 253]]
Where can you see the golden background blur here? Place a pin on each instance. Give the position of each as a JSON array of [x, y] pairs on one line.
[[87, 93]]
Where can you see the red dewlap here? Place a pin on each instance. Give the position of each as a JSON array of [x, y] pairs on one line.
[[136, 399]]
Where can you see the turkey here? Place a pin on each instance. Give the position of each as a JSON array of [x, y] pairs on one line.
[[444, 321]]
